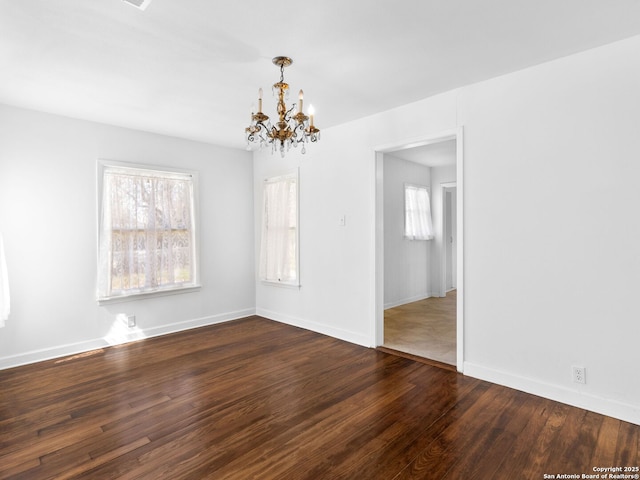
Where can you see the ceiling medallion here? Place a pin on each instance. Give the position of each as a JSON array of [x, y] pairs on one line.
[[293, 126]]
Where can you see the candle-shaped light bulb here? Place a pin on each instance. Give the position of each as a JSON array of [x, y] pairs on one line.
[[300, 95], [311, 112], [252, 110], [260, 100]]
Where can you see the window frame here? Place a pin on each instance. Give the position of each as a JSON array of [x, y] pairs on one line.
[[102, 166], [272, 179]]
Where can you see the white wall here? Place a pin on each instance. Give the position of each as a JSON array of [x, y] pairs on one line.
[[48, 220], [330, 272], [552, 262], [551, 159], [407, 263]]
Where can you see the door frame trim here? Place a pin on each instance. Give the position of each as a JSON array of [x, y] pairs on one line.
[[443, 258], [377, 256]]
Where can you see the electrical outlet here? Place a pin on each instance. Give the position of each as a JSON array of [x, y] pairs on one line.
[[579, 375], [131, 321]]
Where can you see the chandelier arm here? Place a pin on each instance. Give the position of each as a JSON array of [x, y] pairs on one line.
[[251, 136], [287, 114], [258, 132], [299, 133]]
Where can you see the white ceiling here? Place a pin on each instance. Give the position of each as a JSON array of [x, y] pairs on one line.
[[191, 68]]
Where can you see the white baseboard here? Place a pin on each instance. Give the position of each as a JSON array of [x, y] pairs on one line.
[[404, 301], [50, 353], [198, 322], [605, 406], [127, 336], [346, 335]]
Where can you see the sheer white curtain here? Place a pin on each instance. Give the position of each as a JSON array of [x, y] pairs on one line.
[[417, 224], [147, 233], [279, 242], [5, 302]]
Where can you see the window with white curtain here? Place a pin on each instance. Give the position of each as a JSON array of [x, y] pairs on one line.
[[279, 241], [417, 213], [147, 230]]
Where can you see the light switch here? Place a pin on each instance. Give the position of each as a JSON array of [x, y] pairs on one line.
[[342, 221]]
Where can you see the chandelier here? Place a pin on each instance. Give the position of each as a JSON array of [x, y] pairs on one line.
[[293, 126]]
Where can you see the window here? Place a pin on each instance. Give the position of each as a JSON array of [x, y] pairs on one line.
[[417, 213], [279, 243], [147, 233]]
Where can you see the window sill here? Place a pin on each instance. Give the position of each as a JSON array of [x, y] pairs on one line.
[[290, 286], [144, 295], [412, 239]]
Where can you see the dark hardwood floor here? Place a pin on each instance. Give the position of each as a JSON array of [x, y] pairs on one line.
[[257, 399]]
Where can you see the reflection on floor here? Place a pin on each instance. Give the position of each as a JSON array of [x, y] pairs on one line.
[[426, 328]]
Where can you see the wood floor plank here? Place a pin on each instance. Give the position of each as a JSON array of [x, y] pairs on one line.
[[257, 399], [501, 434], [522, 453], [627, 453], [424, 415], [460, 437], [543, 449], [607, 442]]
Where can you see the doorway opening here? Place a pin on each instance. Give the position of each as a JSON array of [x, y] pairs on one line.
[[419, 294]]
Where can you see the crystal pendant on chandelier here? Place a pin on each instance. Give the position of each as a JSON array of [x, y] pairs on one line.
[[293, 126]]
